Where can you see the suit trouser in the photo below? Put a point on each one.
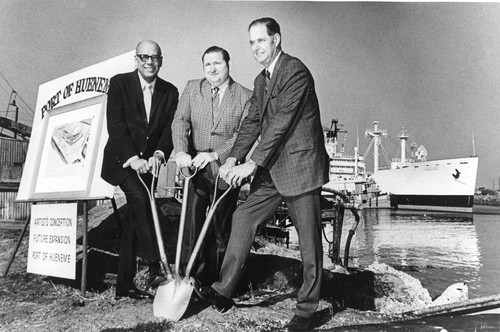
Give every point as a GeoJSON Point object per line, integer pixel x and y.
{"type": "Point", "coordinates": [200, 197]}
{"type": "Point", "coordinates": [260, 205]}
{"type": "Point", "coordinates": [137, 231]}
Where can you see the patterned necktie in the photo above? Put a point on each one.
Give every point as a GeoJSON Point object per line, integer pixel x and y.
{"type": "Point", "coordinates": [215, 103]}
{"type": "Point", "coordinates": [148, 96]}
{"type": "Point", "coordinates": [268, 79]}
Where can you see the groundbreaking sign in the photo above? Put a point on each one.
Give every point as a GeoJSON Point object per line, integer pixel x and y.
{"type": "Point", "coordinates": [52, 243]}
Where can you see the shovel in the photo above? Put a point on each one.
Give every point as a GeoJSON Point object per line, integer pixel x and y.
{"type": "Point", "coordinates": [160, 308]}
{"type": "Point", "coordinates": [182, 222]}
{"type": "Point", "coordinates": [156, 222]}
{"type": "Point", "coordinates": [176, 295]}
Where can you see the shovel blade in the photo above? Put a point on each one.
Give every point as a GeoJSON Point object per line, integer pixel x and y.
{"type": "Point", "coordinates": [171, 300]}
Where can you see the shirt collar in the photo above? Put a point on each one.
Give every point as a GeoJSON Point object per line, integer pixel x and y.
{"type": "Point", "coordinates": [144, 83]}
{"type": "Point", "coordinates": [222, 87]}
{"type": "Point", "coordinates": [273, 64]}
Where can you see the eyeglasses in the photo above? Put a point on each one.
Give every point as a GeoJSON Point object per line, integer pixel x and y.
{"type": "Point", "coordinates": [145, 57]}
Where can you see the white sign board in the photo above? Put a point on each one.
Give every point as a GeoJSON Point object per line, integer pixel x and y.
{"type": "Point", "coordinates": [70, 89]}
{"type": "Point", "coordinates": [52, 243]}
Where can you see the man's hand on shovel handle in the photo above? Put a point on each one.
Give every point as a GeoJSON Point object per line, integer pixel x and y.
{"type": "Point", "coordinates": [155, 164]}
{"type": "Point", "coordinates": [236, 175]}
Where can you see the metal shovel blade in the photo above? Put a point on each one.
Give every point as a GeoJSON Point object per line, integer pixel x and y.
{"type": "Point", "coordinates": [171, 299]}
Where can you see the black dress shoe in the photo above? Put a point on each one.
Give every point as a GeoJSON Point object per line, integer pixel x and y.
{"type": "Point", "coordinates": [154, 280]}
{"type": "Point", "coordinates": [299, 323]}
{"type": "Point", "coordinates": [211, 296]}
{"type": "Point", "coordinates": [135, 293]}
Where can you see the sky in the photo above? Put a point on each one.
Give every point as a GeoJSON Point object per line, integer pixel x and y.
{"type": "Point", "coordinates": [430, 68]}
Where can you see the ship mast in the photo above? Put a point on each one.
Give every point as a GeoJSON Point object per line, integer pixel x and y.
{"type": "Point", "coordinates": [403, 136]}
{"type": "Point", "coordinates": [473, 146]}
{"type": "Point", "coordinates": [375, 134]}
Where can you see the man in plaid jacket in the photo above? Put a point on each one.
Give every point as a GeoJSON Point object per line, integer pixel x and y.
{"type": "Point", "coordinates": [205, 126]}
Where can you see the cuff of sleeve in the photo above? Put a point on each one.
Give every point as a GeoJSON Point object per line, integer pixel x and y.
{"type": "Point", "coordinates": [129, 161]}
{"type": "Point", "coordinates": [254, 160]}
{"type": "Point", "coordinates": [180, 153]}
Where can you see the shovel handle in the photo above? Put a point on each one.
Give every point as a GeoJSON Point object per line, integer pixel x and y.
{"type": "Point", "coordinates": [182, 221]}
{"type": "Point", "coordinates": [204, 229]}
{"type": "Point", "coordinates": [156, 223]}
{"type": "Point", "coordinates": [189, 176]}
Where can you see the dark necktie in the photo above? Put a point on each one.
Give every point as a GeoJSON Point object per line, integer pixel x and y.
{"type": "Point", "coordinates": [215, 103]}
{"type": "Point", "coordinates": [268, 79]}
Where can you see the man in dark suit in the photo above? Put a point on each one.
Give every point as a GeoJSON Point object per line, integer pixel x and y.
{"type": "Point", "coordinates": [140, 110]}
{"type": "Point", "coordinates": [204, 129]}
{"type": "Point", "coordinates": [290, 164]}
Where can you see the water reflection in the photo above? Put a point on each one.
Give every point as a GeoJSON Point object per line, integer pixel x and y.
{"type": "Point", "coordinates": [438, 249]}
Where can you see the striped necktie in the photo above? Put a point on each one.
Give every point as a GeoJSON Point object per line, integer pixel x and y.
{"type": "Point", "coordinates": [268, 79]}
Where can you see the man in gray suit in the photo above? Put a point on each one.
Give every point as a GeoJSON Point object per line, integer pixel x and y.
{"type": "Point", "coordinates": [205, 126]}
{"type": "Point", "coordinates": [290, 164]}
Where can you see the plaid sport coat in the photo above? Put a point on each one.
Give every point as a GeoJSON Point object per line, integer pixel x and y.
{"type": "Point", "coordinates": [288, 121]}
{"type": "Point", "coordinates": [192, 128]}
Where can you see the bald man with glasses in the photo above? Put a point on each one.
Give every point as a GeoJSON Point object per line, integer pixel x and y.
{"type": "Point", "coordinates": [140, 110]}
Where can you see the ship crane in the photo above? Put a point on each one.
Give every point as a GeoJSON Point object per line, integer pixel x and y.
{"type": "Point", "coordinates": [13, 126]}
{"type": "Point", "coordinates": [332, 137]}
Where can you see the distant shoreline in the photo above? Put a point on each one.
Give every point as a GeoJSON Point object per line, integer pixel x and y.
{"type": "Point", "coordinates": [486, 208]}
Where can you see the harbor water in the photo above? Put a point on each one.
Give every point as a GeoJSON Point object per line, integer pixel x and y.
{"type": "Point", "coordinates": [436, 248]}
{"type": "Point", "coordinates": [439, 249]}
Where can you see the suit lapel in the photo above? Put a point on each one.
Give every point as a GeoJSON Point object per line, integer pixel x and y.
{"type": "Point", "coordinates": [158, 94]}
{"type": "Point", "coordinates": [261, 88]}
{"type": "Point", "coordinates": [136, 88]}
{"type": "Point", "coordinates": [206, 96]}
{"type": "Point", "coordinates": [267, 96]}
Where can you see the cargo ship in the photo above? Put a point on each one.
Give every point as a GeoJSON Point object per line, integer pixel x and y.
{"type": "Point", "coordinates": [347, 172]}
{"type": "Point", "coordinates": [416, 183]}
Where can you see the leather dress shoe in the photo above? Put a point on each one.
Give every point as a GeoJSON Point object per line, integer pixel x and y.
{"type": "Point", "coordinates": [211, 296]}
{"type": "Point", "coordinates": [299, 323]}
{"type": "Point", "coordinates": [154, 280]}
{"type": "Point", "coordinates": [134, 293]}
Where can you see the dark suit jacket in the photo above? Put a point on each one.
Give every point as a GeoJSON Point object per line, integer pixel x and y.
{"type": "Point", "coordinates": [130, 134]}
{"type": "Point", "coordinates": [192, 128]}
{"type": "Point", "coordinates": [288, 120]}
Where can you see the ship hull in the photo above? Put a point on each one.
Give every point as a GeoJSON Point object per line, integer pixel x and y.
{"type": "Point", "coordinates": [452, 203]}
{"type": "Point", "coordinates": [438, 185]}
